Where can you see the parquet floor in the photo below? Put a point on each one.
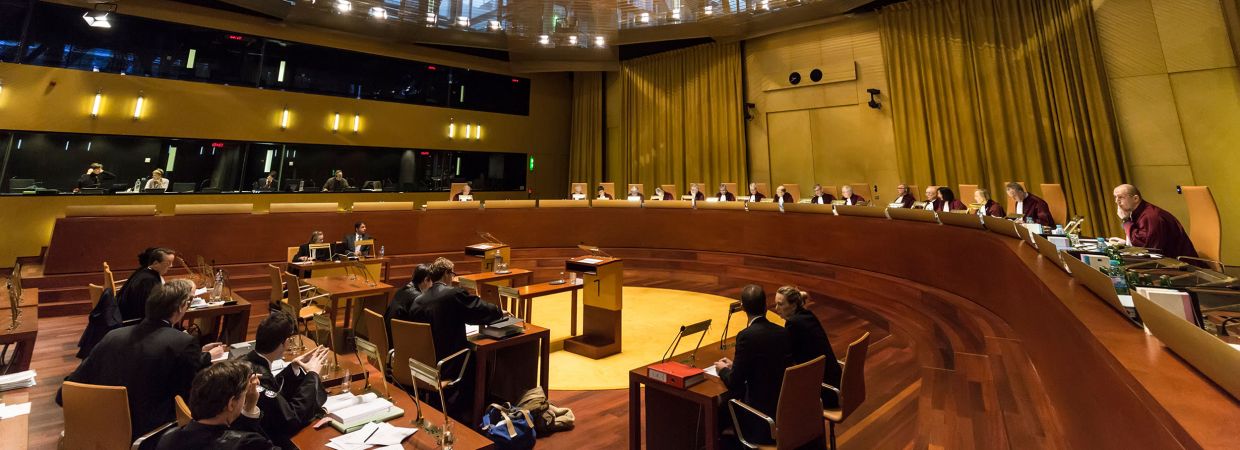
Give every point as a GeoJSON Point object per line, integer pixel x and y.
{"type": "Point", "coordinates": [940, 374]}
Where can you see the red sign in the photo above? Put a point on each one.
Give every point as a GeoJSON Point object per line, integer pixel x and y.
{"type": "Point", "coordinates": [217, 145]}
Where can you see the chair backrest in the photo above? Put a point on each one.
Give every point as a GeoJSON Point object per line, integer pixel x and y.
{"type": "Point", "coordinates": [1011, 202]}
{"type": "Point", "coordinates": [292, 253]}
{"type": "Point", "coordinates": [965, 194]}
{"type": "Point", "coordinates": [96, 417]}
{"type": "Point", "coordinates": [376, 332]}
{"type": "Point", "coordinates": [761, 189]}
{"type": "Point", "coordinates": [671, 189]}
{"type": "Point", "coordinates": [277, 284]}
{"type": "Point", "coordinates": [109, 280]}
{"type": "Point", "coordinates": [184, 416]}
{"type": "Point", "coordinates": [96, 291]}
{"type": "Point", "coordinates": [641, 189]}
{"type": "Point", "coordinates": [1205, 226]}
{"type": "Point", "coordinates": [585, 189]}
{"type": "Point", "coordinates": [456, 189]}
{"type": "Point", "coordinates": [411, 340]}
{"type": "Point", "coordinates": [293, 305]}
{"type": "Point", "coordinates": [852, 382]}
{"type": "Point", "coordinates": [795, 190]}
{"type": "Point", "coordinates": [1056, 201]}
{"type": "Point", "coordinates": [862, 189]}
{"type": "Point", "coordinates": [798, 416]}
{"type": "Point", "coordinates": [731, 188]}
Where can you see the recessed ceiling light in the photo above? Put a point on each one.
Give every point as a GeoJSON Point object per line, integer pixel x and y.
{"type": "Point", "coordinates": [378, 12]}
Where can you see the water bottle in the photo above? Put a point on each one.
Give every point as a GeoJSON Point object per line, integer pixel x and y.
{"type": "Point", "coordinates": [1118, 279]}
{"type": "Point", "coordinates": [1102, 244]}
{"type": "Point", "coordinates": [301, 185]}
{"type": "Point", "coordinates": [217, 290]}
{"type": "Point", "coordinates": [380, 251]}
{"type": "Point", "coordinates": [1059, 230]}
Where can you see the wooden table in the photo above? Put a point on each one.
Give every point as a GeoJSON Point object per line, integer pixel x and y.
{"type": "Point", "coordinates": [14, 432]}
{"type": "Point", "coordinates": [236, 318]}
{"type": "Point", "coordinates": [340, 287]}
{"type": "Point", "coordinates": [466, 437]}
{"type": "Point", "coordinates": [331, 376]}
{"type": "Point", "coordinates": [378, 267]}
{"type": "Point", "coordinates": [524, 296]}
{"type": "Point", "coordinates": [486, 284]}
{"type": "Point", "coordinates": [670, 411]}
{"type": "Point", "coordinates": [485, 348]}
{"type": "Point", "coordinates": [22, 338]}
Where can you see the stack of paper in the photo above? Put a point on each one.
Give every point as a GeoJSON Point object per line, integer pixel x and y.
{"type": "Point", "coordinates": [17, 380]}
{"type": "Point", "coordinates": [362, 412]}
{"type": "Point", "coordinates": [383, 435]}
{"type": "Point", "coordinates": [338, 402]}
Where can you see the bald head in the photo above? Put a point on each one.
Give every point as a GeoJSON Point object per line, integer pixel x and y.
{"type": "Point", "coordinates": [1127, 197]}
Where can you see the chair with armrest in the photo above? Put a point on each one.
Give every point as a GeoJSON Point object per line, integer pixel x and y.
{"type": "Point", "coordinates": [377, 333]}
{"type": "Point", "coordinates": [302, 309]}
{"type": "Point", "coordinates": [109, 280]}
{"type": "Point", "coordinates": [1057, 201]}
{"type": "Point", "coordinates": [279, 289]}
{"type": "Point", "coordinates": [375, 349]}
{"type": "Point", "coordinates": [97, 417]}
{"type": "Point", "coordinates": [796, 421]}
{"type": "Point", "coordinates": [851, 390]}
{"type": "Point", "coordinates": [425, 374]}
{"type": "Point", "coordinates": [184, 416]}
{"type": "Point", "coordinates": [411, 340]}
{"type": "Point", "coordinates": [1205, 227]}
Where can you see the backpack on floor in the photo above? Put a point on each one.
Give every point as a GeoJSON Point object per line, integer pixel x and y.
{"type": "Point", "coordinates": [509, 427]}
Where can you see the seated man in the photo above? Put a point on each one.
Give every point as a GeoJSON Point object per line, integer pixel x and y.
{"type": "Point", "coordinates": [754, 195]}
{"type": "Point", "coordinates": [448, 309]}
{"type": "Point", "coordinates": [724, 195]}
{"type": "Point", "coordinates": [1146, 225]}
{"type": "Point", "coordinates": [94, 178]}
{"type": "Point", "coordinates": [601, 193]}
{"type": "Point", "coordinates": [904, 197]}
{"type": "Point", "coordinates": [466, 194]}
{"type": "Point", "coordinates": [932, 199]}
{"type": "Point", "coordinates": [988, 207]}
{"type": "Point", "coordinates": [634, 194]}
{"type": "Point", "coordinates": [1030, 206]}
{"type": "Point", "coordinates": [303, 251]}
{"type": "Point", "coordinates": [660, 194]}
{"type": "Point", "coordinates": [336, 183]}
{"type": "Point", "coordinates": [224, 401]}
{"type": "Point", "coordinates": [402, 302]}
{"type": "Point", "coordinates": [266, 184]}
{"type": "Point", "coordinates": [763, 351]}
{"type": "Point", "coordinates": [152, 360]}
{"type": "Point", "coordinates": [358, 234]}
{"type": "Point", "coordinates": [820, 197]}
{"type": "Point", "coordinates": [809, 340]}
{"type": "Point", "coordinates": [293, 397]}
{"type": "Point", "coordinates": [696, 193]}
{"type": "Point", "coordinates": [155, 262]}
{"type": "Point", "coordinates": [782, 196]}
{"type": "Point", "coordinates": [578, 192]}
{"type": "Point", "coordinates": [846, 194]}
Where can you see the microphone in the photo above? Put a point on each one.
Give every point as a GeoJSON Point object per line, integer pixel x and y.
{"type": "Point", "coordinates": [732, 309]}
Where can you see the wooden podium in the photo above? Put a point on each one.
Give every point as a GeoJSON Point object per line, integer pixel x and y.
{"type": "Point", "coordinates": [603, 300]}
{"type": "Point", "coordinates": [488, 251]}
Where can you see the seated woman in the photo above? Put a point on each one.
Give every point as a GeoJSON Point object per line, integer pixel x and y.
{"type": "Point", "coordinates": [303, 251]}
{"type": "Point", "coordinates": [947, 199]}
{"type": "Point", "coordinates": [988, 207]}
{"type": "Point", "coordinates": [602, 194]}
{"type": "Point", "coordinates": [465, 195]}
{"type": "Point", "coordinates": [157, 180]}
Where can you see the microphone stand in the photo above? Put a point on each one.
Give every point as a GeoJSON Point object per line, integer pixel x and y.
{"type": "Point", "coordinates": [732, 309]}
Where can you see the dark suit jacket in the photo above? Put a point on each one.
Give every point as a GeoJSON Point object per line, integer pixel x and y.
{"type": "Point", "coordinates": [90, 180]}
{"type": "Point", "coordinates": [810, 341]}
{"type": "Point", "coordinates": [856, 199]}
{"type": "Point", "coordinates": [606, 196]}
{"type": "Point", "coordinates": [935, 205]}
{"type": "Point", "coordinates": [826, 199]}
{"type": "Point", "coordinates": [401, 307]}
{"type": "Point", "coordinates": [349, 242]}
{"type": "Point", "coordinates": [304, 250]}
{"type": "Point", "coordinates": [448, 309]}
{"type": "Point", "coordinates": [994, 209]}
{"type": "Point", "coordinates": [132, 298]}
{"type": "Point", "coordinates": [727, 197]}
{"type": "Point", "coordinates": [153, 361]}
{"type": "Point", "coordinates": [1154, 227]}
{"type": "Point", "coordinates": [1037, 209]}
{"type": "Point", "coordinates": [699, 197]}
{"type": "Point", "coordinates": [788, 198]}
{"type": "Point", "coordinates": [105, 317]}
{"type": "Point", "coordinates": [244, 434]}
{"type": "Point", "coordinates": [668, 196]}
{"type": "Point", "coordinates": [906, 200]}
{"type": "Point", "coordinates": [757, 372]}
{"type": "Point", "coordinates": [334, 185]}
{"type": "Point", "coordinates": [289, 401]}
{"type": "Point", "coordinates": [263, 185]}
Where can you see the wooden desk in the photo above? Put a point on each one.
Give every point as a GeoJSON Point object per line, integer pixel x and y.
{"type": "Point", "coordinates": [236, 318]}
{"type": "Point", "coordinates": [22, 337]}
{"type": "Point", "coordinates": [524, 296]}
{"type": "Point", "coordinates": [331, 376]}
{"type": "Point", "coordinates": [485, 348]}
{"type": "Point", "coordinates": [670, 412]}
{"type": "Point", "coordinates": [30, 296]}
{"type": "Point", "coordinates": [378, 268]}
{"type": "Point", "coordinates": [466, 437]}
{"type": "Point", "coordinates": [486, 284]}
{"type": "Point", "coordinates": [342, 288]}
{"type": "Point", "coordinates": [16, 431]}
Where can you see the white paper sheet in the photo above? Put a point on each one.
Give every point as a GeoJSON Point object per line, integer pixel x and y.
{"type": "Point", "coordinates": [14, 410]}
{"type": "Point", "coordinates": [590, 261]}
{"type": "Point", "coordinates": [710, 370]}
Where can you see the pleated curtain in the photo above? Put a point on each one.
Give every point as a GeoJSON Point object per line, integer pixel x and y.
{"type": "Point", "coordinates": [585, 158]}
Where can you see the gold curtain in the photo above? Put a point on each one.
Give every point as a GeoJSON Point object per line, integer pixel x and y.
{"type": "Point", "coordinates": [682, 119]}
{"type": "Point", "coordinates": [988, 91]}
{"type": "Point", "coordinates": [585, 156]}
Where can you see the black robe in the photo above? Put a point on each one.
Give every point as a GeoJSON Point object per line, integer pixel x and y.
{"type": "Point", "coordinates": [132, 298]}
{"type": "Point", "coordinates": [244, 434]}
{"type": "Point", "coordinates": [810, 341]}
{"type": "Point", "coordinates": [400, 307]}
{"type": "Point", "coordinates": [289, 401]}
{"type": "Point", "coordinates": [757, 373]}
{"type": "Point", "coordinates": [825, 199]}
{"type": "Point", "coordinates": [448, 309]}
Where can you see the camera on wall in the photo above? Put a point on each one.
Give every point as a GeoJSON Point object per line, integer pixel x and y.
{"type": "Point", "coordinates": [874, 98]}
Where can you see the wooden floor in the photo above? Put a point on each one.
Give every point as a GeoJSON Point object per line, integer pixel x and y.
{"type": "Point", "coordinates": [942, 373]}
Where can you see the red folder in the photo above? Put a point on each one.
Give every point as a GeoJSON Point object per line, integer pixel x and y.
{"type": "Point", "coordinates": [675, 374]}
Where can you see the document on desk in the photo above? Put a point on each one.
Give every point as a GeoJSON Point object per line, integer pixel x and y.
{"type": "Point", "coordinates": [471, 330]}
{"type": "Point", "coordinates": [590, 261]}
{"type": "Point", "coordinates": [372, 434]}
{"type": "Point", "coordinates": [711, 370]}
{"type": "Point", "coordinates": [14, 410]}
{"type": "Point", "coordinates": [200, 291]}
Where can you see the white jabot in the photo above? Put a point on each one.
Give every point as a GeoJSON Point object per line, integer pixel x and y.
{"type": "Point", "coordinates": [1020, 207]}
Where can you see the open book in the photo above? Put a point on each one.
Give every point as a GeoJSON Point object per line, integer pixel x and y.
{"type": "Point", "coordinates": [348, 412]}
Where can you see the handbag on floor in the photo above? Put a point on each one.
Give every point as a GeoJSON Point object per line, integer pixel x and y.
{"type": "Point", "coordinates": [509, 427]}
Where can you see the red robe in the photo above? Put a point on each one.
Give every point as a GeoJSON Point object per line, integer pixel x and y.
{"type": "Point", "coordinates": [994, 209]}
{"type": "Point", "coordinates": [667, 196]}
{"type": "Point", "coordinates": [788, 198]}
{"type": "Point", "coordinates": [1153, 227]}
{"type": "Point", "coordinates": [906, 201]}
{"type": "Point", "coordinates": [826, 199]}
{"type": "Point", "coordinates": [756, 197]}
{"type": "Point", "coordinates": [727, 197]}
{"type": "Point", "coordinates": [856, 199]}
{"type": "Point", "coordinates": [699, 197]}
{"type": "Point", "coordinates": [1037, 209]}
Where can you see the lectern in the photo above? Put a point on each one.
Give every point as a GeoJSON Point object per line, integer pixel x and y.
{"type": "Point", "coordinates": [489, 251]}
{"type": "Point", "coordinates": [602, 301]}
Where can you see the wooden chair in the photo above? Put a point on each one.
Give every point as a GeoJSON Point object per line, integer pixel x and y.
{"type": "Point", "coordinates": [376, 332]}
{"type": "Point", "coordinates": [279, 291]}
{"type": "Point", "coordinates": [671, 189]}
{"type": "Point", "coordinates": [292, 253]}
{"type": "Point", "coordinates": [609, 188]}
{"type": "Point", "coordinates": [732, 187]}
{"type": "Point", "coordinates": [641, 189]}
{"type": "Point", "coordinates": [184, 416]}
{"type": "Point", "coordinates": [1056, 201]}
{"type": "Point", "coordinates": [865, 190]}
{"type": "Point", "coordinates": [1205, 226]}
{"type": "Point", "coordinates": [411, 340]}
{"type": "Point", "coordinates": [97, 417]}
{"type": "Point", "coordinates": [796, 422]}
{"type": "Point", "coordinates": [456, 189]}
{"type": "Point", "coordinates": [965, 194]}
{"type": "Point", "coordinates": [795, 190]}
{"type": "Point", "coordinates": [109, 280]}
{"type": "Point", "coordinates": [96, 291]}
{"type": "Point", "coordinates": [301, 309]}
{"type": "Point", "coordinates": [851, 390]}
{"type": "Point", "coordinates": [374, 346]}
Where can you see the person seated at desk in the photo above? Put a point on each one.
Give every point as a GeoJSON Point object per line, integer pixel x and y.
{"type": "Point", "coordinates": [988, 207]}
{"type": "Point", "coordinates": [601, 193]}
{"type": "Point", "coordinates": [846, 194]}
{"type": "Point", "coordinates": [155, 262]}
{"type": "Point", "coordinates": [904, 197]}
{"type": "Point", "coordinates": [402, 301]}
{"type": "Point", "coordinates": [94, 178]}
{"type": "Point", "coordinates": [1146, 225]}
{"type": "Point", "coordinates": [224, 398]}
{"type": "Point", "coordinates": [820, 197]}
{"type": "Point", "coordinates": [763, 351]}
{"type": "Point", "coordinates": [635, 194]}
{"type": "Point", "coordinates": [292, 398]}
{"type": "Point", "coordinates": [809, 340]}
{"type": "Point", "coordinates": [1030, 206]}
{"type": "Point", "coordinates": [358, 234]}
{"type": "Point", "coordinates": [696, 193]}
{"type": "Point", "coordinates": [466, 194]}
{"type": "Point", "coordinates": [782, 196]}
{"type": "Point", "coordinates": [579, 192]}
{"type": "Point", "coordinates": [659, 194]}
{"type": "Point", "coordinates": [152, 360]}
{"type": "Point", "coordinates": [724, 195]}
{"type": "Point", "coordinates": [932, 199]}
{"type": "Point", "coordinates": [303, 251]}
{"type": "Point", "coordinates": [157, 180]}
{"type": "Point", "coordinates": [754, 195]}
{"type": "Point", "coordinates": [948, 202]}
{"type": "Point", "coordinates": [336, 183]}
{"type": "Point", "coordinates": [267, 183]}
{"type": "Point", "coordinates": [448, 309]}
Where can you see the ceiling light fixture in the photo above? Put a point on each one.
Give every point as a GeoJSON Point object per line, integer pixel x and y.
{"type": "Point", "coordinates": [343, 6]}
{"type": "Point", "coordinates": [137, 107]}
{"type": "Point", "coordinates": [544, 39]}
{"type": "Point", "coordinates": [99, 18]}
{"type": "Point", "coordinates": [357, 122]}
{"type": "Point", "coordinates": [599, 41]}
{"type": "Point", "coordinates": [284, 119]}
{"type": "Point", "coordinates": [335, 122]}
{"type": "Point", "coordinates": [96, 103]}
{"type": "Point", "coordinates": [378, 12]}
{"type": "Point", "coordinates": [451, 128]}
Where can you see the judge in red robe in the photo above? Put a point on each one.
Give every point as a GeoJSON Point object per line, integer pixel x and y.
{"type": "Point", "coordinates": [948, 202]}
{"type": "Point", "coordinates": [1146, 225]}
{"type": "Point", "coordinates": [904, 197]}
{"type": "Point", "coordinates": [1030, 205]}
{"type": "Point", "coordinates": [932, 201]}
{"type": "Point", "coordinates": [724, 195]}
{"type": "Point", "coordinates": [821, 198]}
{"type": "Point", "coordinates": [849, 197]}
{"type": "Point", "coordinates": [754, 195]}
{"type": "Point", "coordinates": [989, 207]}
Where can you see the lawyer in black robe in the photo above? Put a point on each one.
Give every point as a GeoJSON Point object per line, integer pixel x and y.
{"type": "Point", "coordinates": [448, 309]}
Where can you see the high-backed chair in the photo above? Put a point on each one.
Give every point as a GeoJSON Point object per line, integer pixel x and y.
{"type": "Point", "coordinates": [302, 309]}
{"type": "Point", "coordinates": [97, 417]}
{"type": "Point", "coordinates": [1011, 203]}
{"type": "Point", "coordinates": [109, 280]}
{"type": "Point", "coordinates": [376, 332]}
{"type": "Point", "coordinates": [456, 189]}
{"type": "Point", "coordinates": [965, 194]}
{"type": "Point", "coordinates": [1205, 226]}
{"type": "Point", "coordinates": [732, 187]}
{"type": "Point", "coordinates": [641, 189]}
{"type": "Point", "coordinates": [279, 290]}
{"type": "Point", "coordinates": [796, 421]}
{"type": "Point", "coordinates": [184, 416]}
{"type": "Point", "coordinates": [795, 190]}
{"type": "Point", "coordinates": [671, 189]}
{"type": "Point", "coordinates": [609, 188]}
{"type": "Point", "coordinates": [585, 189]}
{"type": "Point", "coordinates": [96, 291]}
{"type": "Point", "coordinates": [411, 340]}
{"type": "Point", "coordinates": [851, 390]}
{"type": "Point", "coordinates": [292, 253]}
{"type": "Point", "coordinates": [1056, 201]}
